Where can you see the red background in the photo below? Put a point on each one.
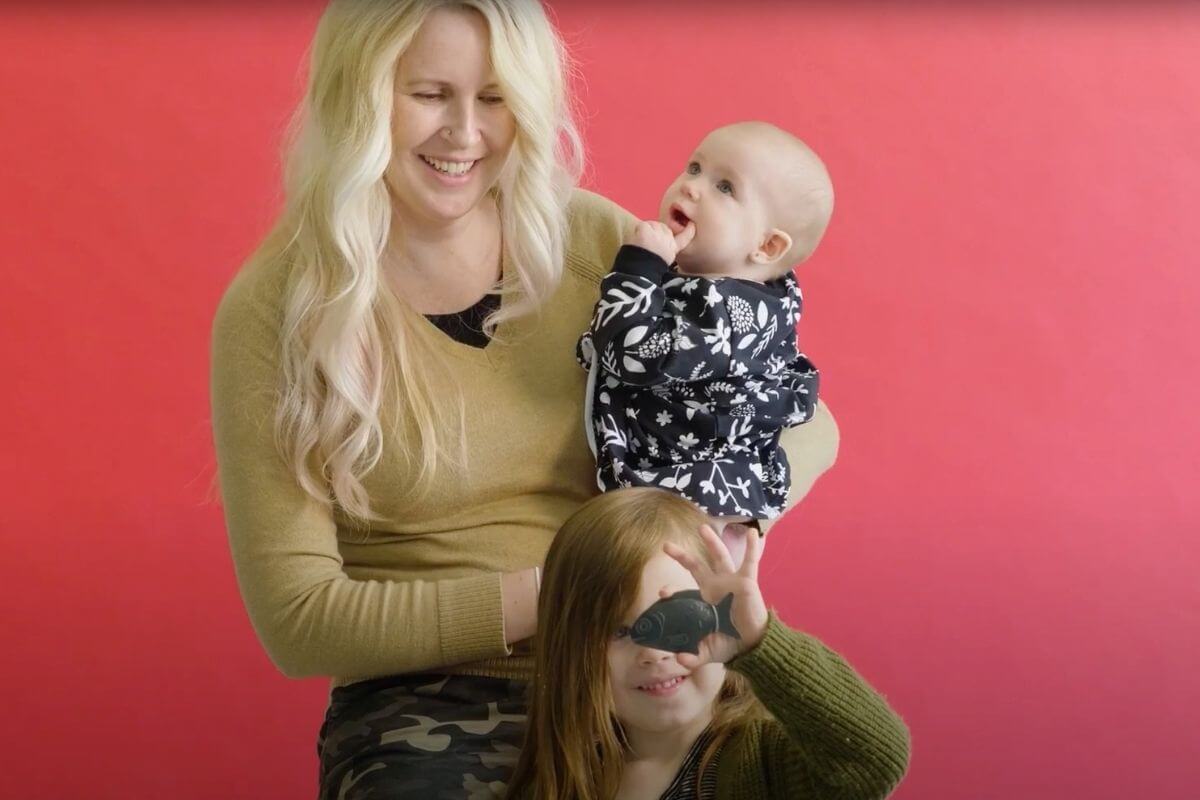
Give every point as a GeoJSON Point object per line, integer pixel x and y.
{"type": "Point", "coordinates": [1003, 311]}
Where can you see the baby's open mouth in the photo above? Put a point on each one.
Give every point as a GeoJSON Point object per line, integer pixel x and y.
{"type": "Point", "coordinates": [679, 217]}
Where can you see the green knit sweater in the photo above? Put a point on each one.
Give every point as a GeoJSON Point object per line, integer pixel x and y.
{"type": "Point", "coordinates": [833, 737]}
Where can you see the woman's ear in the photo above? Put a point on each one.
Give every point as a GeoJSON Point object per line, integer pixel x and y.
{"type": "Point", "coordinates": [773, 247]}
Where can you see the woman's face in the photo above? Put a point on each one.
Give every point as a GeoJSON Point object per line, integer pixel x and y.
{"type": "Point", "coordinates": [451, 128]}
{"type": "Point", "coordinates": [651, 690]}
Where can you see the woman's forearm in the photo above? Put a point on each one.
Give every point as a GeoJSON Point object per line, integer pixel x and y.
{"type": "Point", "coordinates": [520, 593]}
{"type": "Point", "coordinates": [811, 450]}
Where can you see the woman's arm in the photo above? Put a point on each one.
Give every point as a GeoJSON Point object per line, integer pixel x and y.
{"type": "Point", "coordinates": [811, 449]}
{"type": "Point", "coordinates": [311, 618]}
{"type": "Point", "coordinates": [831, 729]}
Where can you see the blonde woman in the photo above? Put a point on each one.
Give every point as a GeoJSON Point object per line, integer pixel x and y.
{"type": "Point", "coordinates": [772, 714]}
{"type": "Point", "coordinates": [396, 406]}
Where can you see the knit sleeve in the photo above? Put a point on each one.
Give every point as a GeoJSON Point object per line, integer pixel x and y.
{"type": "Point", "coordinates": [598, 227]}
{"type": "Point", "coordinates": [311, 618]}
{"type": "Point", "coordinates": [833, 736]}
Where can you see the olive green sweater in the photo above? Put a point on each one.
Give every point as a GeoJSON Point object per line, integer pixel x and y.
{"type": "Point", "coordinates": [833, 737]}
{"type": "Point", "coordinates": [830, 736]}
{"type": "Point", "coordinates": [419, 589]}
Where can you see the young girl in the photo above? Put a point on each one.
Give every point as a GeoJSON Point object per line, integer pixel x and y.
{"type": "Point", "coordinates": [774, 714]}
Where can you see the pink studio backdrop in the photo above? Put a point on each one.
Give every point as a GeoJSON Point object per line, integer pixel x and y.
{"type": "Point", "coordinates": [1003, 310]}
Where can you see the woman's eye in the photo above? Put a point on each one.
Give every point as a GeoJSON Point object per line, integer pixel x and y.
{"type": "Point", "coordinates": [491, 99]}
{"type": "Point", "coordinates": [725, 187]}
{"type": "Point", "coordinates": [693, 168]}
{"type": "Point", "coordinates": [428, 95]}
{"type": "Point", "coordinates": [622, 632]}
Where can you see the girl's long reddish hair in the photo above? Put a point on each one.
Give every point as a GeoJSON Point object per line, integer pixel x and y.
{"type": "Point", "coordinates": [574, 749]}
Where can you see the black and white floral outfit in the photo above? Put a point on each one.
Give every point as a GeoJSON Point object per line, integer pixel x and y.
{"type": "Point", "coordinates": [691, 381]}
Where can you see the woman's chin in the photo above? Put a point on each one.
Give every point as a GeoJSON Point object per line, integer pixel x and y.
{"type": "Point", "coordinates": [444, 208]}
{"type": "Point", "coordinates": [430, 198]}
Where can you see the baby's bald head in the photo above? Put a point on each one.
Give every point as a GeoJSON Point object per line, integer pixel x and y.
{"type": "Point", "coordinates": [793, 181]}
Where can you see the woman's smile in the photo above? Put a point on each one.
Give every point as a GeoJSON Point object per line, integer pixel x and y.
{"type": "Point", "coordinates": [453, 173]}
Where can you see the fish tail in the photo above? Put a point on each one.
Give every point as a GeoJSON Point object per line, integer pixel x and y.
{"type": "Point", "coordinates": [725, 618]}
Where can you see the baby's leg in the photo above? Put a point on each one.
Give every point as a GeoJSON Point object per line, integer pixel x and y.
{"type": "Point", "coordinates": [733, 532]}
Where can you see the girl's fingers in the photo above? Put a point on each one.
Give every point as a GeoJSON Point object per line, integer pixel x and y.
{"type": "Point", "coordinates": [689, 562]}
{"type": "Point", "coordinates": [717, 549]}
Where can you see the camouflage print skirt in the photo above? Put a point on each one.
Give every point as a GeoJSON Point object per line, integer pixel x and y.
{"type": "Point", "coordinates": [421, 736]}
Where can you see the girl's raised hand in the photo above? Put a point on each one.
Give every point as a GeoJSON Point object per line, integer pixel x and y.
{"type": "Point", "coordinates": [748, 613]}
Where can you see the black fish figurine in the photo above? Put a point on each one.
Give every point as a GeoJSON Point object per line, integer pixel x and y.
{"type": "Point", "coordinates": [680, 622]}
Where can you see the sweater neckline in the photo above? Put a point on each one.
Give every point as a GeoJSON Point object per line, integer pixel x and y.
{"type": "Point", "coordinates": [496, 351]}
{"type": "Point", "coordinates": [467, 325]}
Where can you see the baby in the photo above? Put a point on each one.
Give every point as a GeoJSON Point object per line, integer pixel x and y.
{"type": "Point", "coordinates": [692, 356]}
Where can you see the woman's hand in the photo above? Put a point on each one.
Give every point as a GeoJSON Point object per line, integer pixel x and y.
{"type": "Point", "coordinates": [748, 612]}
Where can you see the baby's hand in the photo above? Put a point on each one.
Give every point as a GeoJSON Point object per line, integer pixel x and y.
{"type": "Point", "coordinates": [658, 239]}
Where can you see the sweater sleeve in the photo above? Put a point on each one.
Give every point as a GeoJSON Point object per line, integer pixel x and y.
{"type": "Point", "coordinates": [644, 337]}
{"type": "Point", "coordinates": [833, 736]}
{"type": "Point", "coordinates": [811, 449]}
{"type": "Point", "coordinates": [311, 618]}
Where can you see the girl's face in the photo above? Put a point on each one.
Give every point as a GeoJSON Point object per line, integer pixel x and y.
{"type": "Point", "coordinates": [451, 128]}
{"type": "Point", "coordinates": [652, 691]}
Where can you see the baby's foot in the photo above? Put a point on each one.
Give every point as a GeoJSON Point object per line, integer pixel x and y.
{"type": "Point", "coordinates": [734, 534]}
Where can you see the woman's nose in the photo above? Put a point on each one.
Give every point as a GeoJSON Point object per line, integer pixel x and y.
{"type": "Point", "coordinates": [462, 129]}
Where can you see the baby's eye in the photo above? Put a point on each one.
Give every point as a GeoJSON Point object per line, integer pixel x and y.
{"type": "Point", "coordinates": [693, 168]}
{"type": "Point", "coordinates": [725, 187]}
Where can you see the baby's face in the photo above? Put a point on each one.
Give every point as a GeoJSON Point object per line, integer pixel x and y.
{"type": "Point", "coordinates": [723, 191]}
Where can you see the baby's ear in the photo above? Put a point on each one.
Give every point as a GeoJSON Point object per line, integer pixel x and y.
{"type": "Point", "coordinates": [773, 247]}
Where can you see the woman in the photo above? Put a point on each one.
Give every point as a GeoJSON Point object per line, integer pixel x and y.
{"type": "Point", "coordinates": [611, 718]}
{"type": "Point", "coordinates": [396, 407]}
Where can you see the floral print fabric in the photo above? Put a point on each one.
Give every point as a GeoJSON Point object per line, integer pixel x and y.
{"type": "Point", "coordinates": [691, 381]}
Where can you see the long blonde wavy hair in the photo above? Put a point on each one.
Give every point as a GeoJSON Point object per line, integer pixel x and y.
{"type": "Point", "coordinates": [574, 748]}
{"type": "Point", "coordinates": [348, 341]}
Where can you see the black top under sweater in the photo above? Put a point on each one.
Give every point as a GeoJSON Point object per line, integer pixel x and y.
{"type": "Point", "coordinates": [466, 326]}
